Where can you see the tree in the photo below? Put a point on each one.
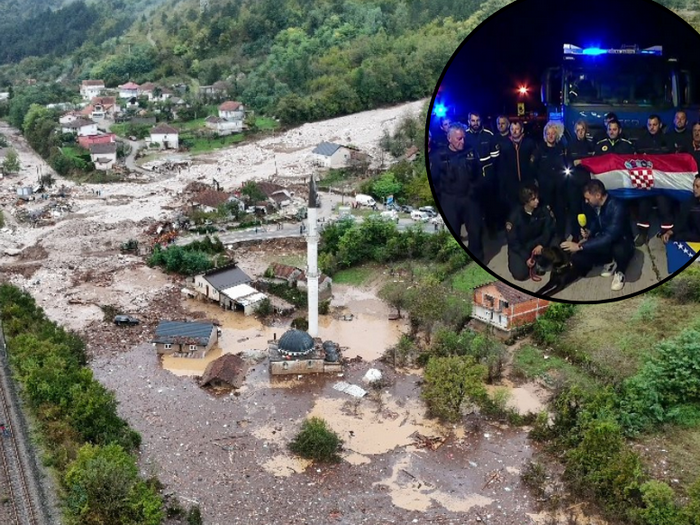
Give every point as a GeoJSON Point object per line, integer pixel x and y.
{"type": "Point", "coordinates": [11, 162]}
{"type": "Point", "coordinates": [395, 294]}
{"type": "Point", "coordinates": [103, 484]}
{"type": "Point", "coordinates": [253, 192]}
{"type": "Point", "coordinates": [450, 382]}
{"type": "Point", "coordinates": [317, 441]}
{"type": "Point", "coordinates": [386, 185]}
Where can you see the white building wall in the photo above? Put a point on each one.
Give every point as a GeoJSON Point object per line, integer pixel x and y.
{"type": "Point", "coordinates": [340, 158]}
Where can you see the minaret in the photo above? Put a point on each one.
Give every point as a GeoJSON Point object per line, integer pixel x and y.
{"type": "Point", "coordinates": [312, 258]}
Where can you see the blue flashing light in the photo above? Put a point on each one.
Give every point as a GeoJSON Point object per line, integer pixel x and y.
{"type": "Point", "coordinates": [556, 115]}
{"type": "Point", "coordinates": [440, 110]}
{"type": "Point", "coordinates": [594, 51]}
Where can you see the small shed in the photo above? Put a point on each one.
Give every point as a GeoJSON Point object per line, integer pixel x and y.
{"type": "Point", "coordinates": [226, 371]}
{"type": "Point", "coordinates": [241, 297]}
{"type": "Point", "coordinates": [506, 308]}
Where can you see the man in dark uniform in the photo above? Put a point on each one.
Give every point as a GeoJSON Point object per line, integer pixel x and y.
{"type": "Point", "coordinates": [680, 136]}
{"type": "Point", "coordinates": [529, 229]}
{"type": "Point", "coordinates": [603, 133]}
{"type": "Point", "coordinates": [487, 150]}
{"type": "Point", "coordinates": [457, 170]}
{"type": "Point", "coordinates": [580, 147]}
{"type": "Point", "coordinates": [514, 166]}
{"type": "Point", "coordinates": [687, 225]}
{"type": "Point", "coordinates": [608, 236]}
{"type": "Point", "coordinates": [653, 142]}
{"type": "Point", "coordinates": [695, 144]}
{"type": "Point", "coordinates": [503, 127]}
{"type": "Point", "coordinates": [614, 143]}
{"type": "Point", "coordinates": [440, 136]}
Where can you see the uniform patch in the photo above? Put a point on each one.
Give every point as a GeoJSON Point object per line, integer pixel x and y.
{"type": "Point", "coordinates": [604, 148]}
{"type": "Point", "coordinates": [509, 226]}
{"type": "Point", "coordinates": [551, 213]}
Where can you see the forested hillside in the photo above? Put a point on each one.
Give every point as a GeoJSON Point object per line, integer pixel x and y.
{"type": "Point", "coordinates": [299, 59]}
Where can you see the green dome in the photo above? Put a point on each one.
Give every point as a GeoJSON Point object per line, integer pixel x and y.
{"type": "Point", "coordinates": [295, 343]}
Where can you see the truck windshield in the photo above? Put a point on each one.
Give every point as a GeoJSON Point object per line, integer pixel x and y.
{"type": "Point", "coordinates": [629, 83]}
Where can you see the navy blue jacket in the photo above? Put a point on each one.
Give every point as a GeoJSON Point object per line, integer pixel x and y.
{"type": "Point", "coordinates": [455, 173]}
{"type": "Point", "coordinates": [610, 226]}
{"type": "Point", "coordinates": [687, 225]}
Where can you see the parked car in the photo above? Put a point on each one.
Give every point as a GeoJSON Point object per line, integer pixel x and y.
{"type": "Point", "coordinates": [429, 210]}
{"type": "Point", "coordinates": [128, 320]}
{"type": "Point", "coordinates": [421, 216]}
{"type": "Point", "coordinates": [390, 214]}
{"type": "Point", "coordinates": [407, 208]}
{"type": "Point", "coordinates": [437, 220]}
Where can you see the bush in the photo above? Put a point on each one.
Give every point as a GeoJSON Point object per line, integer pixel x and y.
{"type": "Point", "coordinates": [659, 505]}
{"type": "Point", "coordinates": [324, 307]}
{"type": "Point", "coordinates": [684, 287]}
{"type": "Point", "coordinates": [300, 323]}
{"type": "Point", "coordinates": [194, 516]}
{"type": "Point", "coordinates": [264, 308]}
{"type": "Point", "coordinates": [449, 382]}
{"type": "Point", "coordinates": [317, 442]}
{"type": "Point", "coordinates": [552, 323]}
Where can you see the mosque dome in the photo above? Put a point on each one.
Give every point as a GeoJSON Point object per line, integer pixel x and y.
{"type": "Point", "coordinates": [295, 343]}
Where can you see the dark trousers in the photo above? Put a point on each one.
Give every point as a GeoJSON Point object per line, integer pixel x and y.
{"type": "Point", "coordinates": [467, 211]}
{"type": "Point", "coordinates": [553, 193]}
{"type": "Point", "coordinates": [665, 208]}
{"type": "Point", "coordinates": [493, 207]}
{"type": "Point", "coordinates": [517, 265]}
{"type": "Point", "coordinates": [621, 252]}
{"type": "Point", "coordinates": [575, 200]}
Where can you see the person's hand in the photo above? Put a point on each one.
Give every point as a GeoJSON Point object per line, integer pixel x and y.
{"type": "Point", "coordinates": [530, 263]}
{"type": "Point", "coordinates": [585, 233]}
{"type": "Point", "coordinates": [577, 162]}
{"type": "Point", "coordinates": [667, 236]}
{"type": "Point", "coordinates": [537, 250]}
{"type": "Point", "coordinates": [570, 246]}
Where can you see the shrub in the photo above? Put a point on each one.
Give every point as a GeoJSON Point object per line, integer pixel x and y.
{"type": "Point", "coordinates": [549, 325]}
{"type": "Point", "coordinates": [659, 505]}
{"type": "Point", "coordinates": [264, 308]}
{"type": "Point", "coordinates": [300, 323]}
{"type": "Point", "coordinates": [324, 307]}
{"type": "Point", "coordinates": [317, 442]}
{"type": "Point", "coordinates": [194, 516]}
{"type": "Point", "coordinates": [450, 382]}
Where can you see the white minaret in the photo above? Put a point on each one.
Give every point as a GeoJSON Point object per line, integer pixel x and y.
{"type": "Point", "coordinates": [312, 258]}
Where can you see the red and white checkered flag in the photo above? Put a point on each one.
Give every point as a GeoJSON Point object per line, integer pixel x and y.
{"type": "Point", "coordinates": [642, 179]}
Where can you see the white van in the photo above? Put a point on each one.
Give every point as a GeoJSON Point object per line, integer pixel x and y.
{"type": "Point", "coordinates": [390, 214]}
{"type": "Point", "coordinates": [364, 200]}
{"type": "Point", "coordinates": [419, 216]}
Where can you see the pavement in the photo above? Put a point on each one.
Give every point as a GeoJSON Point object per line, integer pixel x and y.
{"type": "Point", "coordinates": [648, 268]}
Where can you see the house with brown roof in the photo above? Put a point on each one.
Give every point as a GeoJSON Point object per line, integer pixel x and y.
{"type": "Point", "coordinates": [129, 90]}
{"type": "Point", "coordinates": [296, 277]}
{"type": "Point", "coordinates": [91, 88]}
{"type": "Point", "coordinates": [166, 136]}
{"type": "Point", "coordinates": [107, 106]}
{"type": "Point", "coordinates": [103, 156]}
{"type": "Point", "coordinates": [232, 110]}
{"type": "Point", "coordinates": [226, 371]}
{"type": "Point", "coordinates": [279, 195]}
{"type": "Point", "coordinates": [209, 199]}
{"type": "Point", "coordinates": [497, 304]}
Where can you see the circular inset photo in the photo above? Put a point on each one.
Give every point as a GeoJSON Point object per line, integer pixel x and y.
{"type": "Point", "coordinates": [564, 144]}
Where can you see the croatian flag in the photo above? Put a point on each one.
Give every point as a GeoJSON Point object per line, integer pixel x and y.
{"type": "Point", "coordinates": [635, 176]}
{"type": "Point", "coordinates": [679, 253]}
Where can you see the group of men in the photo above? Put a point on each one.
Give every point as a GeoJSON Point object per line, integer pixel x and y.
{"type": "Point", "coordinates": [538, 191]}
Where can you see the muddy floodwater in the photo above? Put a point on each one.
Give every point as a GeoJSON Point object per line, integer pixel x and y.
{"type": "Point", "coordinates": [368, 335]}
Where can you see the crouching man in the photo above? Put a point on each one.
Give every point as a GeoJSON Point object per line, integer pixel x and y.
{"type": "Point", "coordinates": [607, 238]}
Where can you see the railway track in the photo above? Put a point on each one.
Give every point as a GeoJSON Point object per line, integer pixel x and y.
{"type": "Point", "coordinates": [25, 507]}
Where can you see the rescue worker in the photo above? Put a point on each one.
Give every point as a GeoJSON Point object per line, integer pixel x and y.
{"type": "Point", "coordinates": [487, 149]}
{"type": "Point", "coordinates": [653, 142]}
{"type": "Point", "coordinates": [607, 236]}
{"type": "Point", "coordinates": [603, 133]}
{"type": "Point", "coordinates": [457, 168]}
{"type": "Point", "coordinates": [580, 147]}
{"type": "Point", "coordinates": [680, 136]}
{"type": "Point", "coordinates": [687, 225]}
{"type": "Point", "coordinates": [440, 138]}
{"type": "Point", "coordinates": [503, 127]}
{"type": "Point", "coordinates": [529, 229]}
{"type": "Point", "coordinates": [614, 143]}
{"type": "Point", "coordinates": [695, 144]}
{"type": "Point", "coordinates": [514, 167]}
{"type": "Point", "coordinates": [549, 165]}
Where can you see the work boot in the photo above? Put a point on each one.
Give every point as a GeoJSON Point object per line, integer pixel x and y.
{"type": "Point", "coordinates": [608, 269]}
{"type": "Point", "coordinates": [618, 282]}
{"type": "Point", "coordinates": [642, 237]}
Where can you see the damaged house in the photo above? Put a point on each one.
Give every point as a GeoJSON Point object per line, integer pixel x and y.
{"type": "Point", "coordinates": [230, 287]}
{"type": "Point", "coordinates": [185, 338]}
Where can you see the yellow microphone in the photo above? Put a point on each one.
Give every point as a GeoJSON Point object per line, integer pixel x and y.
{"type": "Point", "coordinates": [582, 220]}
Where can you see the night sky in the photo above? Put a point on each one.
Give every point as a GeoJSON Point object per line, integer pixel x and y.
{"type": "Point", "coordinates": [517, 44]}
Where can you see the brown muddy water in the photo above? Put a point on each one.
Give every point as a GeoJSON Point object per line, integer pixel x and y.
{"type": "Point", "coordinates": [366, 335]}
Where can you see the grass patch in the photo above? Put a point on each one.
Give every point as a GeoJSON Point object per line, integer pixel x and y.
{"type": "Point", "coordinates": [529, 363]}
{"type": "Point", "coordinates": [74, 152]}
{"type": "Point", "coordinates": [119, 129]}
{"type": "Point", "coordinates": [617, 337]}
{"type": "Point", "coordinates": [355, 276]}
{"type": "Point", "coordinates": [205, 145]}
{"type": "Point", "coordinates": [680, 460]}
{"type": "Point", "coordinates": [197, 123]}
{"type": "Point", "coordinates": [471, 277]}
{"type": "Point", "coordinates": [266, 123]}
{"type": "Point", "coordinates": [293, 259]}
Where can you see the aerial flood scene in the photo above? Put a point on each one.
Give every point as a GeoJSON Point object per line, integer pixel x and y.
{"type": "Point", "coordinates": [231, 293]}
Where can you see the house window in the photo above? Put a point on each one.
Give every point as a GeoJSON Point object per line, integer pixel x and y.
{"type": "Point", "coordinates": [488, 300]}
{"type": "Point", "coordinates": [193, 348]}
{"type": "Point", "coordinates": [504, 305]}
{"type": "Point", "coordinates": [309, 364]}
{"type": "Point", "coordinates": [167, 346]}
